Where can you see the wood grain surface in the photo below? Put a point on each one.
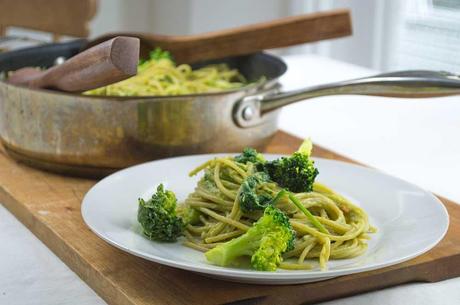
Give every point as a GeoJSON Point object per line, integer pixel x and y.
{"type": "Point", "coordinates": [49, 205]}
{"type": "Point", "coordinates": [247, 39]}
{"type": "Point", "coordinates": [59, 17]}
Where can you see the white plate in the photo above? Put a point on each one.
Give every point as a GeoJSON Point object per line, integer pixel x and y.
{"type": "Point", "coordinates": [410, 221]}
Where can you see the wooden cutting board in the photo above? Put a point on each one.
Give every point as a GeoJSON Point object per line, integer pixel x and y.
{"type": "Point", "coordinates": [49, 205]}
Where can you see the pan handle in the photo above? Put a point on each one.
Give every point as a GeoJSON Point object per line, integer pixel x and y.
{"type": "Point", "coordinates": [407, 84]}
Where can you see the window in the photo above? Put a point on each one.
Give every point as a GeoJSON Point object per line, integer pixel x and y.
{"type": "Point", "coordinates": [427, 36]}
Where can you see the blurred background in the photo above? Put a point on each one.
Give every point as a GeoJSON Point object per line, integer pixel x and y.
{"type": "Point", "coordinates": [387, 34]}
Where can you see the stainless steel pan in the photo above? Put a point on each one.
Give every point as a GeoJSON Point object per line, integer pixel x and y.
{"type": "Point", "coordinates": [85, 135]}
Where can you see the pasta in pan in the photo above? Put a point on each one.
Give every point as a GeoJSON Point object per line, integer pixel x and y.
{"type": "Point", "coordinates": [160, 76]}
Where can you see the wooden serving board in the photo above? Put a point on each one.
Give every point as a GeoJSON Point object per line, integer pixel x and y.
{"type": "Point", "coordinates": [49, 205]}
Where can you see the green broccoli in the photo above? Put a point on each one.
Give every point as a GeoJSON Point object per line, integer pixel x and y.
{"type": "Point", "coordinates": [156, 54]}
{"type": "Point", "coordinates": [190, 216]}
{"type": "Point", "coordinates": [296, 173]}
{"type": "Point", "coordinates": [264, 242]}
{"type": "Point", "coordinates": [157, 216]}
{"type": "Point", "coordinates": [250, 155]}
{"type": "Point", "coordinates": [248, 197]}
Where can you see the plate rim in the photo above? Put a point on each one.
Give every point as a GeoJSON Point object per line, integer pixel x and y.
{"type": "Point", "coordinates": [234, 273]}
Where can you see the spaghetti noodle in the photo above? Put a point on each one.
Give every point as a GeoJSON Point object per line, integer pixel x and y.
{"type": "Point", "coordinates": [161, 76]}
{"type": "Point", "coordinates": [221, 219]}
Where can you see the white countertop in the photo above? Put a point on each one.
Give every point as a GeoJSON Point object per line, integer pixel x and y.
{"type": "Point", "coordinates": [413, 139]}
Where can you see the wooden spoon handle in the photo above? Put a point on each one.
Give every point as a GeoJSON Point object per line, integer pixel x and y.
{"type": "Point", "coordinates": [257, 37]}
{"type": "Point", "coordinates": [111, 61]}
{"type": "Point", "coordinates": [247, 39]}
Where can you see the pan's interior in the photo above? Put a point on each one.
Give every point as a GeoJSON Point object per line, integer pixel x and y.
{"type": "Point", "coordinates": [253, 66]}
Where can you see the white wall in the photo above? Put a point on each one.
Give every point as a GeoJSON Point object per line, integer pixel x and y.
{"type": "Point", "coordinates": [121, 15]}
{"type": "Point", "coordinates": [386, 35]}
{"type": "Point", "coordinates": [373, 30]}
{"type": "Point", "coordinates": [180, 17]}
{"type": "Point", "coordinates": [369, 45]}
{"type": "Point", "coordinates": [211, 15]}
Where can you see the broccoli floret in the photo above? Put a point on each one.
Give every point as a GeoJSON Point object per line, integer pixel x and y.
{"type": "Point", "coordinates": [250, 155]}
{"type": "Point", "coordinates": [264, 242]}
{"type": "Point", "coordinates": [190, 216]}
{"type": "Point", "coordinates": [296, 173]}
{"type": "Point", "coordinates": [156, 55]}
{"type": "Point", "coordinates": [248, 197]}
{"type": "Point", "coordinates": [158, 218]}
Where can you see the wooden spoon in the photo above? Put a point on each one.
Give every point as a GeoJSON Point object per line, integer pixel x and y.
{"type": "Point", "coordinates": [106, 63]}
{"type": "Point", "coordinates": [247, 39]}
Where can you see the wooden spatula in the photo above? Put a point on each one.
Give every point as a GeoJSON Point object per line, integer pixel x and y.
{"type": "Point", "coordinates": [106, 63]}
{"type": "Point", "coordinates": [247, 39]}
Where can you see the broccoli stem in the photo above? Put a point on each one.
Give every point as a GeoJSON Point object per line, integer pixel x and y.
{"type": "Point", "coordinates": [300, 206]}
{"type": "Point", "coordinates": [307, 213]}
{"type": "Point", "coordinates": [278, 196]}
